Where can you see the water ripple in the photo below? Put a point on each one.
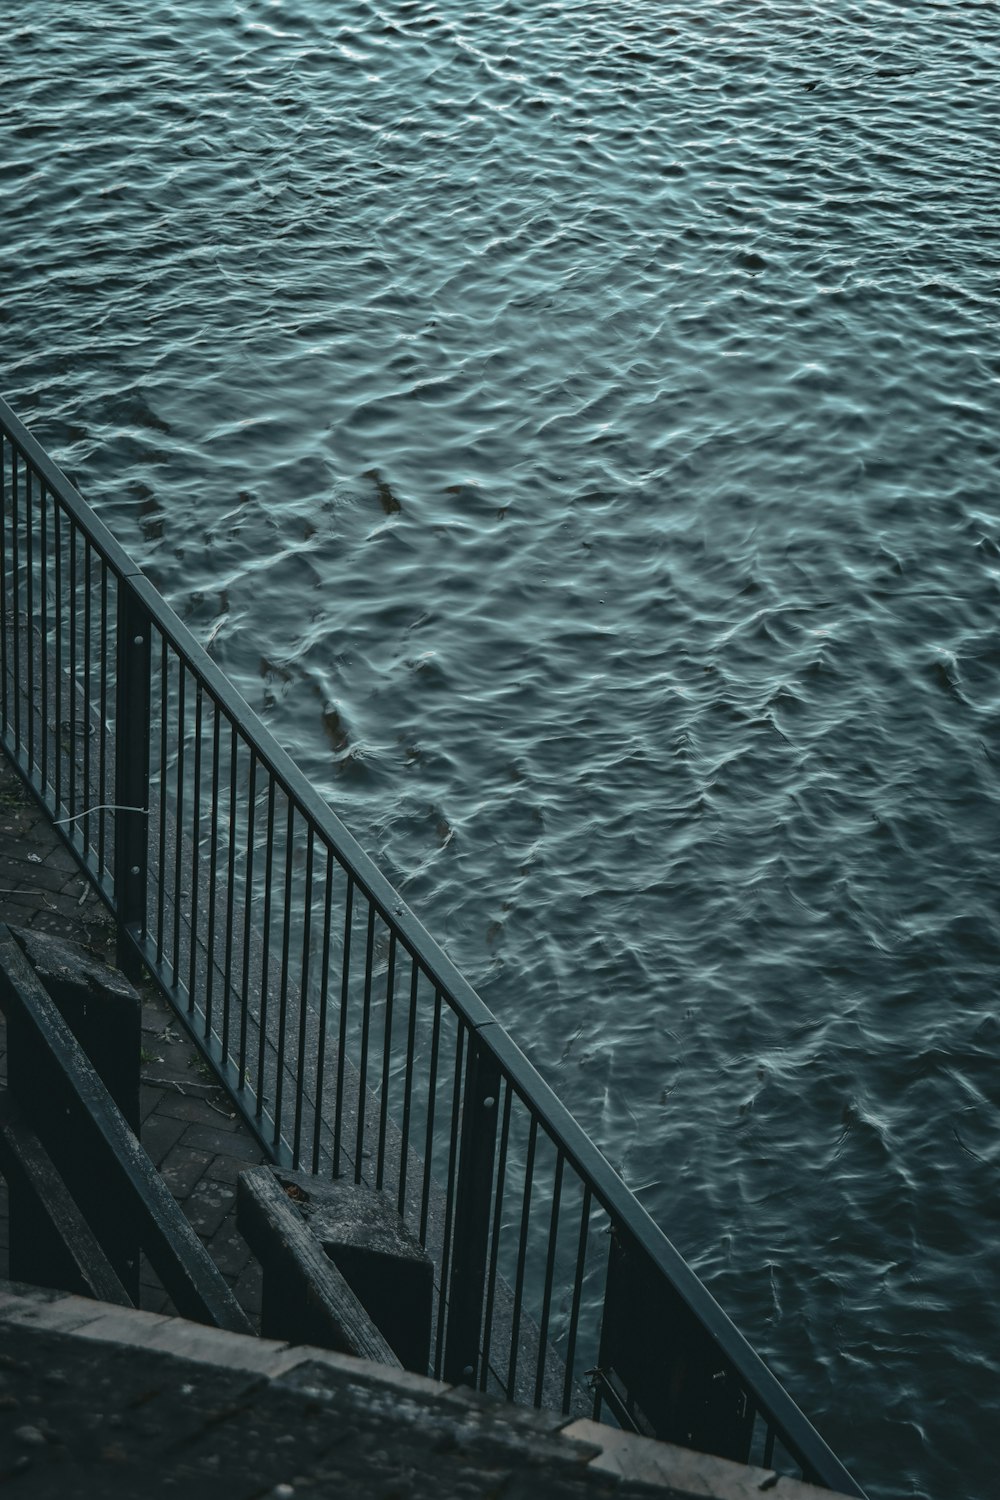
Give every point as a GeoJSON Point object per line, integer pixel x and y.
{"type": "Point", "coordinates": [573, 429]}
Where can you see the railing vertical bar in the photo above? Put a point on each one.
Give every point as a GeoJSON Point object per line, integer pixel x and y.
{"type": "Point", "coordinates": [386, 1062]}
{"type": "Point", "coordinates": [550, 1264]}
{"type": "Point", "coordinates": [324, 996]}
{"type": "Point", "coordinates": [179, 819]}
{"type": "Point", "coordinates": [574, 1316]}
{"type": "Point", "coordinates": [286, 938]}
{"type": "Point", "coordinates": [72, 672]}
{"type": "Point", "coordinates": [768, 1446]}
{"type": "Point", "coordinates": [133, 628]}
{"type": "Point", "coordinates": [265, 959]}
{"type": "Point", "coordinates": [411, 1034]}
{"type": "Point", "coordinates": [449, 1200]}
{"type": "Point", "coordinates": [477, 1111]}
{"type": "Point", "coordinates": [227, 974]}
{"type": "Point", "coordinates": [345, 982]}
{"type": "Point", "coordinates": [366, 1018]}
{"type": "Point", "coordinates": [29, 586]}
{"type": "Point", "coordinates": [195, 846]}
{"type": "Point", "coordinates": [300, 1058]}
{"type": "Point", "coordinates": [58, 654]}
{"type": "Point", "coordinates": [491, 1277]}
{"type": "Point", "coordinates": [213, 873]}
{"type": "Point", "coordinates": [522, 1251]}
{"type": "Point", "coordinates": [43, 605]}
{"type": "Point", "coordinates": [88, 624]}
{"type": "Point", "coordinates": [102, 742]}
{"type": "Point", "coordinates": [15, 562]}
{"type": "Point", "coordinates": [161, 852]}
{"type": "Point", "coordinates": [247, 913]}
{"type": "Point", "coordinates": [425, 1196]}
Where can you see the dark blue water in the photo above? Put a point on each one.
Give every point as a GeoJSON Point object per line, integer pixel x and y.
{"type": "Point", "coordinates": [574, 427]}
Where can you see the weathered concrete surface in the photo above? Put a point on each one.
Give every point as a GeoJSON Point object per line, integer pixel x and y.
{"type": "Point", "coordinates": [96, 1400]}
{"type": "Point", "coordinates": [382, 1262]}
{"type": "Point", "coordinates": [306, 1299]}
{"type": "Point", "coordinates": [101, 1008]}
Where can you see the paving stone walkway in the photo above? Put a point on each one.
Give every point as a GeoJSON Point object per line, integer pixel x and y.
{"type": "Point", "coordinates": [189, 1127]}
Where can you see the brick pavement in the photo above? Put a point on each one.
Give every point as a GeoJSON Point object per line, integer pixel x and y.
{"type": "Point", "coordinates": [189, 1127]}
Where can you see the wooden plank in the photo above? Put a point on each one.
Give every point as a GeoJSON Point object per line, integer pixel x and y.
{"type": "Point", "coordinates": [51, 1243]}
{"type": "Point", "coordinates": [306, 1299]}
{"type": "Point", "coordinates": [102, 1163]}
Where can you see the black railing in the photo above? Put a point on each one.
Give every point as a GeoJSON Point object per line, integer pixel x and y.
{"type": "Point", "coordinates": [347, 1038]}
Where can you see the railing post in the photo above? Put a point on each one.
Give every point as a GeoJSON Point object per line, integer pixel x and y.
{"type": "Point", "coordinates": [473, 1197]}
{"type": "Point", "coordinates": [131, 777]}
{"type": "Point", "coordinates": [661, 1371]}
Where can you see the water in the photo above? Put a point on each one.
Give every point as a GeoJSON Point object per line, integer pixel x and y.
{"type": "Point", "coordinates": [573, 426]}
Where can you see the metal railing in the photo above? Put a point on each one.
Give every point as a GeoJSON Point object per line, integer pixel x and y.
{"type": "Point", "coordinates": [348, 1040]}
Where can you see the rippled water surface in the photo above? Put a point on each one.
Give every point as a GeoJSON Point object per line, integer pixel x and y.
{"type": "Point", "coordinates": [574, 426]}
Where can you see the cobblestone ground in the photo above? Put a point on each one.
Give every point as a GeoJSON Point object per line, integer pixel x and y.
{"type": "Point", "coordinates": [189, 1127]}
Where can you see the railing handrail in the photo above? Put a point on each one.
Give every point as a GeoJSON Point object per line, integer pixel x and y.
{"type": "Point", "coordinates": [797, 1433]}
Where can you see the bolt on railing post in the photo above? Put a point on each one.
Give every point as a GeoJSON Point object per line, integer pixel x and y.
{"type": "Point", "coordinates": [473, 1198]}
{"type": "Point", "coordinates": [131, 777]}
